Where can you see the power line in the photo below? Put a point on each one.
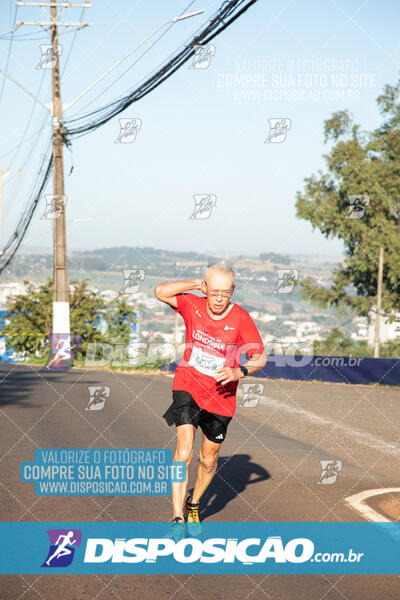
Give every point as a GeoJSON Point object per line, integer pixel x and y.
{"type": "Point", "coordinates": [227, 14]}
{"type": "Point", "coordinates": [61, 307]}
{"type": "Point", "coordinates": [138, 59]}
{"type": "Point", "coordinates": [26, 37]}
{"type": "Point", "coordinates": [16, 238]}
{"type": "Point", "coordinates": [35, 133]}
{"type": "Point", "coordinates": [73, 42]}
{"type": "Point", "coordinates": [8, 56]}
{"type": "Point", "coordinates": [24, 166]}
{"type": "Point", "coordinates": [29, 121]}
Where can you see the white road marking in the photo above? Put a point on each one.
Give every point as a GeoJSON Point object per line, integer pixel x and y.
{"type": "Point", "coordinates": [363, 438]}
{"type": "Point", "coordinates": [358, 503]}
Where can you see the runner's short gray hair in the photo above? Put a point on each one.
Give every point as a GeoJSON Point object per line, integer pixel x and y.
{"type": "Point", "coordinates": [219, 267]}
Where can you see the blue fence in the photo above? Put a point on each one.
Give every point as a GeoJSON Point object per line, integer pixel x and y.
{"type": "Point", "coordinates": [336, 369]}
{"type": "Point", "coordinates": [5, 355]}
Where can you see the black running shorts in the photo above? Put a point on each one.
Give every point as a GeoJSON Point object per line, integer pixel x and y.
{"type": "Point", "coordinates": [185, 411]}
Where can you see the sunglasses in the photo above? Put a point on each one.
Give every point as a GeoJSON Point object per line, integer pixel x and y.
{"type": "Point", "coordinates": [223, 294]}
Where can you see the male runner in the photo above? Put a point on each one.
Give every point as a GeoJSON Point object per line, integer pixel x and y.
{"type": "Point", "coordinates": [206, 379]}
{"type": "Point", "coordinates": [62, 547]}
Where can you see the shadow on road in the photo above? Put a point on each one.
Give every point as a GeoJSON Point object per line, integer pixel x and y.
{"type": "Point", "coordinates": [17, 382]}
{"type": "Point", "coordinates": [233, 475]}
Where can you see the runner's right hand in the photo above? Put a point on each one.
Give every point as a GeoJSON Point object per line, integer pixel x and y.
{"type": "Point", "coordinates": [197, 284]}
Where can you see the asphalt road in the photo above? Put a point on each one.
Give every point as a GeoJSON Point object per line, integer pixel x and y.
{"type": "Point", "coordinates": [279, 442]}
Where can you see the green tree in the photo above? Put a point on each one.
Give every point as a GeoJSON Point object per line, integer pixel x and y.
{"type": "Point", "coordinates": [29, 319]}
{"type": "Point", "coordinates": [364, 164]}
{"type": "Point", "coordinates": [119, 318]}
{"type": "Point", "coordinates": [87, 309]}
{"type": "Point", "coordinates": [275, 258]}
{"type": "Point", "coordinates": [337, 344]}
{"type": "Point", "coordinates": [390, 349]}
{"type": "Point", "coordinates": [287, 308]}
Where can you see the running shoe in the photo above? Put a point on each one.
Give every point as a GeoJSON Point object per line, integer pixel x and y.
{"type": "Point", "coordinates": [192, 515]}
{"type": "Point", "coordinates": [178, 529]}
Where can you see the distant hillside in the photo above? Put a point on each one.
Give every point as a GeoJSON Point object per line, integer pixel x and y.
{"type": "Point", "coordinates": [104, 259]}
{"type": "Point", "coordinates": [259, 272]}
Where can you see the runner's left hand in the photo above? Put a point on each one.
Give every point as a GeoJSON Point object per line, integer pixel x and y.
{"type": "Point", "coordinates": [224, 375]}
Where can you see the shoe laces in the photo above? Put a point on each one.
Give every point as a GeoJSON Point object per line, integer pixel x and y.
{"type": "Point", "coordinates": [192, 511]}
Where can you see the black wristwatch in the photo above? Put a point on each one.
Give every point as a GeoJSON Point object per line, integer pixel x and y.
{"type": "Point", "coordinates": [244, 370]}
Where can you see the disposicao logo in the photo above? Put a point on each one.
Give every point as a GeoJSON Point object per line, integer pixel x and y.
{"type": "Point", "coordinates": [216, 552]}
{"type": "Point", "coordinates": [190, 550]}
{"type": "Point", "coordinates": [62, 547]}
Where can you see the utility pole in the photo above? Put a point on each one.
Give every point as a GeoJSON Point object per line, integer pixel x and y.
{"type": "Point", "coordinates": [378, 304]}
{"type": "Point", "coordinates": [60, 339]}
{"type": "Point", "coordinates": [61, 322]}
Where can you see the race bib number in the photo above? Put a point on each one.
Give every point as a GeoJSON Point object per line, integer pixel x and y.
{"type": "Point", "coordinates": [204, 362]}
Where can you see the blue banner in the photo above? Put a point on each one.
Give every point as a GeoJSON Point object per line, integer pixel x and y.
{"type": "Point", "coordinates": [336, 369]}
{"type": "Point", "coordinates": [102, 472]}
{"type": "Point", "coordinates": [145, 548]}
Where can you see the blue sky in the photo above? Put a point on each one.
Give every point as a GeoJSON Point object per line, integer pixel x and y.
{"type": "Point", "coordinates": [204, 130]}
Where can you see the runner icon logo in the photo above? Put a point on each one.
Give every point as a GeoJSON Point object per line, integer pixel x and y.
{"type": "Point", "coordinates": [97, 397]}
{"type": "Point", "coordinates": [50, 56]}
{"type": "Point", "coordinates": [132, 280]}
{"type": "Point", "coordinates": [357, 205]}
{"type": "Point", "coordinates": [251, 394]}
{"type": "Point", "coordinates": [287, 279]}
{"type": "Point", "coordinates": [204, 204]}
{"type": "Point", "coordinates": [202, 56]}
{"type": "Point", "coordinates": [330, 470]}
{"type": "Point", "coordinates": [278, 129]}
{"type": "Point", "coordinates": [128, 130]}
{"type": "Point", "coordinates": [61, 355]}
{"type": "Point", "coordinates": [55, 204]}
{"type": "Point", "coordinates": [62, 547]}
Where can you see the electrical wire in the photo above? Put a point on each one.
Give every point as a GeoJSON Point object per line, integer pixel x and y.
{"type": "Point", "coordinates": [8, 56]}
{"type": "Point", "coordinates": [28, 122]}
{"type": "Point", "coordinates": [16, 238]}
{"type": "Point", "coordinates": [41, 129]}
{"type": "Point", "coordinates": [73, 42]}
{"type": "Point", "coordinates": [185, 10]}
{"type": "Point", "coordinates": [228, 13]}
{"type": "Point", "coordinates": [26, 37]}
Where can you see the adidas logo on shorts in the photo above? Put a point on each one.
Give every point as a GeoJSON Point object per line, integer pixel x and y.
{"type": "Point", "coordinates": [219, 437]}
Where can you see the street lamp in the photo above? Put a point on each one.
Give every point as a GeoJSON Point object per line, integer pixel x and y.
{"type": "Point", "coordinates": [174, 20]}
{"type": "Point", "coordinates": [191, 14]}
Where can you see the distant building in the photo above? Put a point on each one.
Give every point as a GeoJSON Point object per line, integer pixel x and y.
{"type": "Point", "coordinates": [387, 331]}
{"type": "Point", "coordinates": [10, 289]}
{"type": "Point", "coordinates": [361, 329]}
{"type": "Point", "coordinates": [264, 317]}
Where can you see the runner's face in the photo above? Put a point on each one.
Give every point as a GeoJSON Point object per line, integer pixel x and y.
{"type": "Point", "coordinates": [219, 288]}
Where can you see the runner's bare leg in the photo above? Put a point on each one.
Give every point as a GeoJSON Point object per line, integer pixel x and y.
{"type": "Point", "coordinates": [206, 469]}
{"type": "Point", "coordinates": [183, 452]}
